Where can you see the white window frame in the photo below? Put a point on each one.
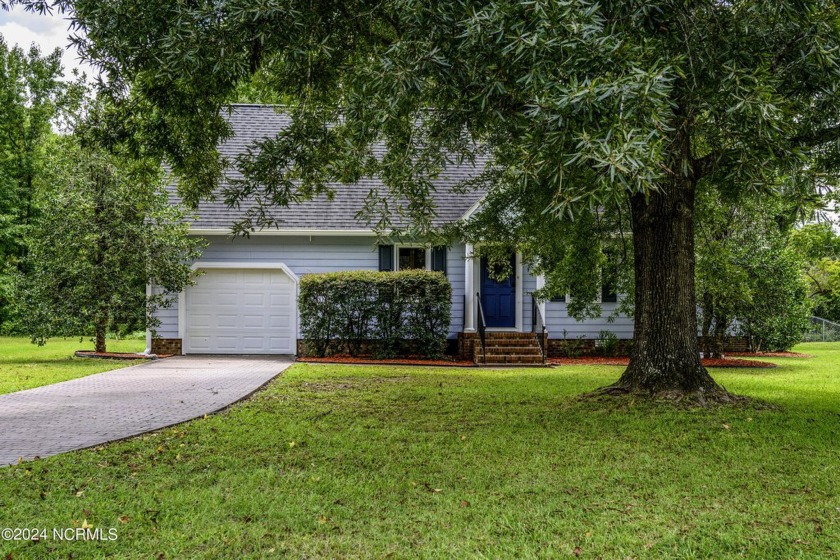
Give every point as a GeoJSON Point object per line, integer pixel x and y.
{"type": "Point", "coordinates": [598, 298]}
{"type": "Point", "coordinates": [397, 247]}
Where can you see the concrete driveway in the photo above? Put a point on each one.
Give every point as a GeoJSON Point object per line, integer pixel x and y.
{"type": "Point", "coordinates": [117, 404]}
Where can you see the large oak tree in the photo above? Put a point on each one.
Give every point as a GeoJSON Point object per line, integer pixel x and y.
{"type": "Point", "coordinates": [582, 107]}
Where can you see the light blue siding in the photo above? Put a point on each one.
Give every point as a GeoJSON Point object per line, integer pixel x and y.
{"type": "Point", "coordinates": [168, 317]}
{"type": "Point", "coordinates": [557, 319]}
{"type": "Point", "coordinates": [303, 255]}
{"type": "Point", "coordinates": [307, 255]}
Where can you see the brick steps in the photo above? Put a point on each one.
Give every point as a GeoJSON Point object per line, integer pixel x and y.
{"type": "Point", "coordinates": [513, 351]}
{"type": "Point", "coordinates": [509, 349]}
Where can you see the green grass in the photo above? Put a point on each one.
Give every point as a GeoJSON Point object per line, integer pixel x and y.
{"type": "Point", "coordinates": [24, 365]}
{"type": "Point", "coordinates": [375, 462]}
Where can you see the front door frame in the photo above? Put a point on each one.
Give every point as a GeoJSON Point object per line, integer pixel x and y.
{"type": "Point", "coordinates": [473, 286]}
{"type": "Point", "coordinates": [498, 292]}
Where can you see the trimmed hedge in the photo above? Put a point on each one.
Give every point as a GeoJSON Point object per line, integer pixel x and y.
{"type": "Point", "coordinates": [404, 312]}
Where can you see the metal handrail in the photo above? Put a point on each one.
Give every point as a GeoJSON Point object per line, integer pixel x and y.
{"type": "Point", "coordinates": [482, 328]}
{"type": "Point", "coordinates": [537, 318]}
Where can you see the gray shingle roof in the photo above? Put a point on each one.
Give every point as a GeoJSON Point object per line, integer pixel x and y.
{"type": "Point", "coordinates": [251, 123]}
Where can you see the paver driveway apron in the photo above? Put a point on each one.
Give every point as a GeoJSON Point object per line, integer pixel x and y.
{"type": "Point", "coordinates": [118, 404]}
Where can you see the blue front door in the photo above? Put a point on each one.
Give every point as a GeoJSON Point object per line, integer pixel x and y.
{"type": "Point", "coordinates": [498, 299]}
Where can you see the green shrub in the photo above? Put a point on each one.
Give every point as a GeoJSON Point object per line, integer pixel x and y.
{"type": "Point", "coordinates": [398, 312]}
{"type": "Point", "coordinates": [573, 347]}
{"type": "Point", "coordinates": [779, 318]}
{"type": "Point", "coordinates": [607, 343]}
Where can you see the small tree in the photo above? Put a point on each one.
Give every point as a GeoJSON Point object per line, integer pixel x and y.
{"type": "Point", "coordinates": [778, 316]}
{"type": "Point", "coordinates": [749, 280]}
{"type": "Point", "coordinates": [106, 231]}
{"type": "Point", "coordinates": [819, 245]}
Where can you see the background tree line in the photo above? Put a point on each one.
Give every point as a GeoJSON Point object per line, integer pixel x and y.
{"type": "Point", "coordinates": [83, 229]}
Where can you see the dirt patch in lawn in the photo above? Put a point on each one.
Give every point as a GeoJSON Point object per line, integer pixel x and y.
{"type": "Point", "coordinates": [118, 355]}
{"type": "Point", "coordinates": [623, 361]}
{"type": "Point", "coordinates": [367, 360]}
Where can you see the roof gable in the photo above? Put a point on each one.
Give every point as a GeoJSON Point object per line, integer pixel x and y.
{"type": "Point", "coordinates": [251, 123]}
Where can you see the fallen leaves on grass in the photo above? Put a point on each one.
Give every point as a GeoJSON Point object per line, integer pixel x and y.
{"type": "Point", "coordinates": [623, 361]}
{"type": "Point", "coordinates": [368, 360]}
{"type": "Point", "coordinates": [769, 354]}
{"type": "Point", "coordinates": [118, 355]}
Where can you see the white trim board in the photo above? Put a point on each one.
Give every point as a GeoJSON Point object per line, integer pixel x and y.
{"type": "Point", "coordinates": [148, 349]}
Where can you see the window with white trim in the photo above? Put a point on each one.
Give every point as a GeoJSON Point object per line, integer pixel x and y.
{"type": "Point", "coordinates": [412, 257]}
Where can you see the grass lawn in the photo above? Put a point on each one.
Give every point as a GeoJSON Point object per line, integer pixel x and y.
{"type": "Point", "coordinates": [374, 462]}
{"type": "Point", "coordinates": [24, 365]}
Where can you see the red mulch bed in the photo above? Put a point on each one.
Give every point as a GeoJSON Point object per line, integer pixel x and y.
{"type": "Point", "coordinates": [619, 361]}
{"type": "Point", "coordinates": [118, 355]}
{"type": "Point", "coordinates": [367, 360]}
{"type": "Point", "coordinates": [769, 354]}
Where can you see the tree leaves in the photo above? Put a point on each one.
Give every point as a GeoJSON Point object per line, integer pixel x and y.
{"type": "Point", "coordinates": [106, 231]}
{"type": "Point", "coordinates": [32, 99]}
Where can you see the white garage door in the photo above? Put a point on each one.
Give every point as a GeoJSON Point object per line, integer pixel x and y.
{"type": "Point", "coordinates": [241, 312]}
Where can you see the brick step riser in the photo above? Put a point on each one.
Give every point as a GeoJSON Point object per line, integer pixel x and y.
{"type": "Point", "coordinates": [516, 355]}
{"type": "Point", "coordinates": [521, 344]}
{"type": "Point", "coordinates": [508, 357]}
{"type": "Point", "coordinates": [528, 350]}
{"type": "Point", "coordinates": [516, 363]}
{"type": "Point", "coordinates": [490, 337]}
{"type": "Point", "coordinates": [507, 343]}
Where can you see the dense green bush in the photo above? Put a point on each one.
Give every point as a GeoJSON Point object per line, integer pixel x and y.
{"type": "Point", "coordinates": [397, 312]}
{"type": "Point", "coordinates": [607, 343]}
{"type": "Point", "coordinates": [779, 318]}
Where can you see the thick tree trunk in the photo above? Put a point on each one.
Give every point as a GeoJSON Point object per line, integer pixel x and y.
{"type": "Point", "coordinates": [99, 336]}
{"type": "Point", "coordinates": [665, 358]}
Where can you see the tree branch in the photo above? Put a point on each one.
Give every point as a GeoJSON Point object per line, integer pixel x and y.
{"type": "Point", "coordinates": [817, 137]}
{"type": "Point", "coordinates": [704, 166]}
